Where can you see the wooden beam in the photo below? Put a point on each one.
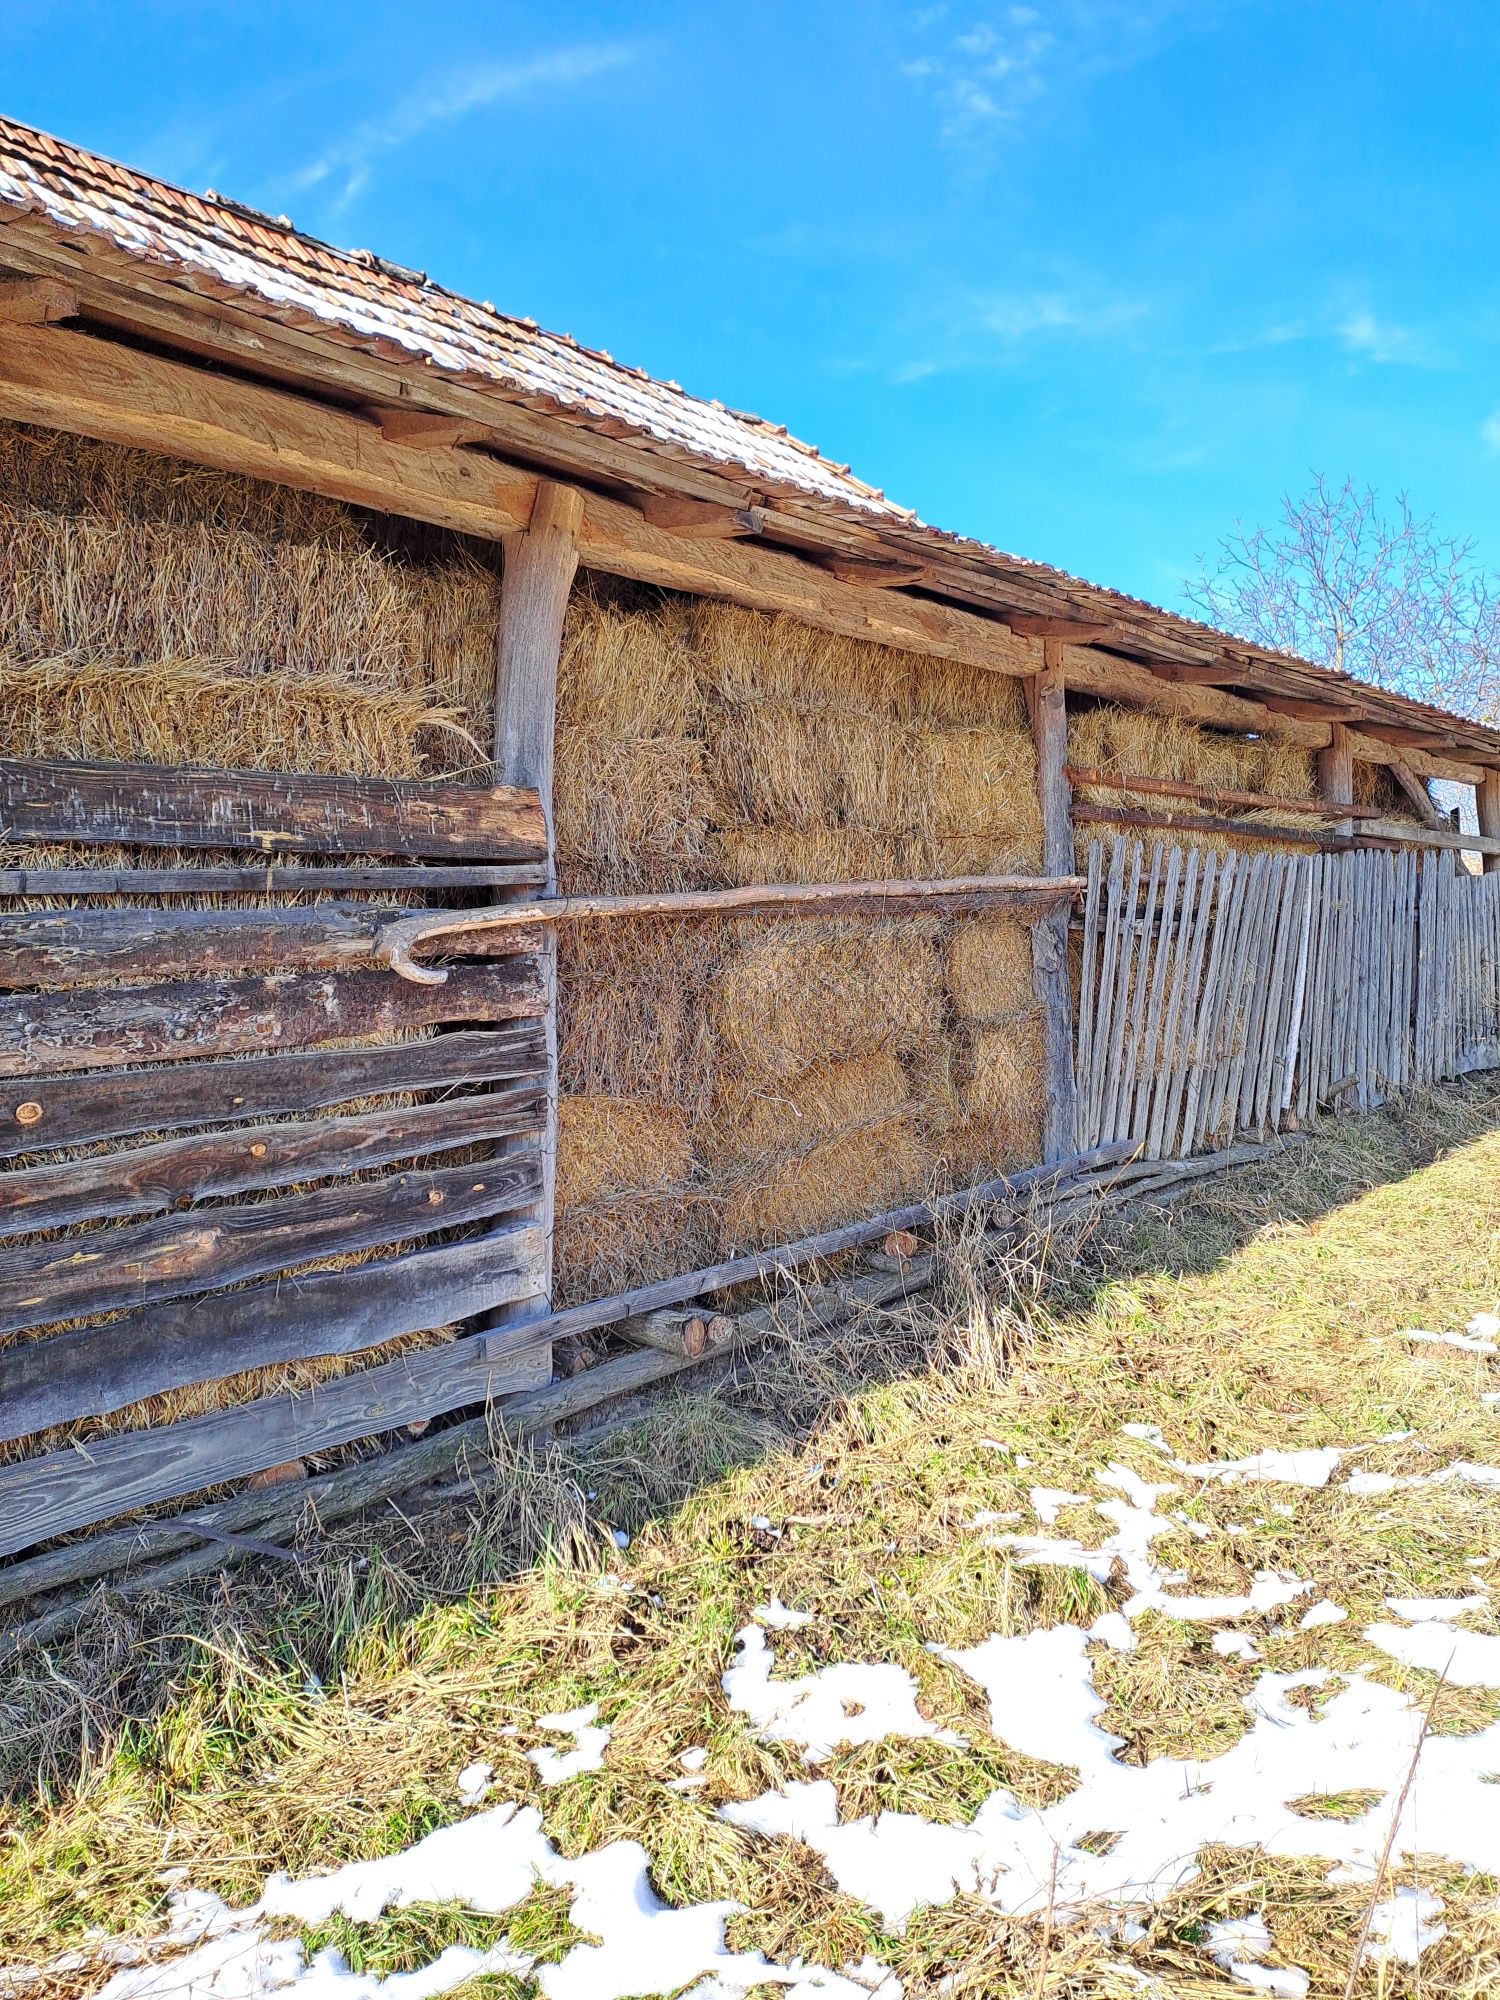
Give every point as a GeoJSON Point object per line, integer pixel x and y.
{"type": "Point", "coordinates": [135, 1263]}
{"type": "Point", "coordinates": [88, 946]}
{"type": "Point", "coordinates": [170, 1346]}
{"type": "Point", "coordinates": [1443, 836]}
{"type": "Point", "coordinates": [540, 565]}
{"type": "Point", "coordinates": [1416, 791]}
{"type": "Point", "coordinates": [77, 382]}
{"type": "Point", "coordinates": [951, 895]}
{"type": "Point", "coordinates": [1178, 675]}
{"type": "Point", "coordinates": [1172, 788]}
{"type": "Point", "coordinates": [1076, 631]}
{"type": "Point", "coordinates": [268, 880]}
{"type": "Point", "coordinates": [427, 429]}
{"type": "Point", "coordinates": [1309, 711]}
{"type": "Point", "coordinates": [42, 1032]}
{"type": "Point", "coordinates": [1487, 803]}
{"type": "Point", "coordinates": [174, 1172]}
{"type": "Point", "coordinates": [1050, 976]}
{"type": "Point", "coordinates": [1182, 822]}
{"type": "Point", "coordinates": [1336, 774]}
{"type": "Point", "coordinates": [877, 575]}
{"type": "Point", "coordinates": [1401, 737]}
{"type": "Point", "coordinates": [274, 812]}
{"type": "Point", "coordinates": [36, 301]}
{"type": "Point", "coordinates": [697, 519]}
{"type": "Point", "coordinates": [43, 1113]}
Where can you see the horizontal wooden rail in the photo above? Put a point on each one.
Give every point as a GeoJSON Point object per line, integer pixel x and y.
{"type": "Point", "coordinates": [270, 880]}
{"type": "Point", "coordinates": [42, 1113]}
{"type": "Point", "coordinates": [1445, 839]}
{"type": "Point", "coordinates": [275, 812]}
{"type": "Point", "coordinates": [1241, 829]}
{"type": "Point", "coordinates": [62, 1490]}
{"type": "Point", "coordinates": [1175, 788]}
{"type": "Point", "coordinates": [1022, 893]}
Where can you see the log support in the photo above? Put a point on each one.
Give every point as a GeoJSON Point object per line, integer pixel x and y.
{"type": "Point", "coordinates": [540, 563]}
{"type": "Point", "coordinates": [1487, 800]}
{"type": "Point", "coordinates": [1049, 935]}
{"type": "Point", "coordinates": [1336, 774]}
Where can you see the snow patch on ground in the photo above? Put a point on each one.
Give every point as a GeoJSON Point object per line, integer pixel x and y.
{"type": "Point", "coordinates": [590, 1740]}
{"type": "Point", "coordinates": [1402, 1927]}
{"type": "Point", "coordinates": [823, 1710]}
{"type": "Point", "coordinates": [1467, 1659]}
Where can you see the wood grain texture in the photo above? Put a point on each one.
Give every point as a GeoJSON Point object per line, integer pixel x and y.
{"type": "Point", "coordinates": [274, 812]}
{"type": "Point", "coordinates": [432, 878]}
{"type": "Point", "coordinates": [92, 1372]}
{"type": "Point", "coordinates": [206, 1248]}
{"type": "Point", "coordinates": [1051, 979]}
{"type": "Point", "coordinates": [40, 1032]}
{"type": "Point", "coordinates": [176, 1172]}
{"type": "Point", "coordinates": [45, 1112]}
{"type": "Point", "coordinates": [63, 1490]}
{"type": "Point", "coordinates": [84, 947]}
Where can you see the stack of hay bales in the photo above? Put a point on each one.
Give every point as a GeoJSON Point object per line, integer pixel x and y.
{"type": "Point", "coordinates": [151, 611]}
{"type": "Point", "coordinates": [821, 1069]}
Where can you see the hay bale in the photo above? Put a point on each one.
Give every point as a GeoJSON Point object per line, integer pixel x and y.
{"type": "Point", "coordinates": [751, 854]}
{"type": "Point", "coordinates": [797, 995]}
{"type": "Point", "coordinates": [856, 1174]}
{"type": "Point", "coordinates": [626, 1211]}
{"type": "Point", "coordinates": [1002, 1090]}
{"type": "Point", "coordinates": [758, 1122]}
{"type": "Point", "coordinates": [632, 813]}
{"type": "Point", "coordinates": [988, 969]}
{"type": "Point", "coordinates": [625, 671]}
{"type": "Point", "coordinates": [633, 1016]}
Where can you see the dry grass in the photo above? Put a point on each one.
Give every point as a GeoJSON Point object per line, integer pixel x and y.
{"type": "Point", "coordinates": [1262, 1313]}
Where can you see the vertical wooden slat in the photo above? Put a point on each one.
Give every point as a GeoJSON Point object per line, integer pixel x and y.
{"type": "Point", "coordinates": [1087, 1004]}
{"type": "Point", "coordinates": [1149, 1077]}
{"type": "Point", "coordinates": [1256, 958]}
{"type": "Point", "coordinates": [1310, 1027]}
{"type": "Point", "coordinates": [1229, 1033]}
{"type": "Point", "coordinates": [1271, 1003]}
{"type": "Point", "coordinates": [1282, 1068]}
{"type": "Point", "coordinates": [1197, 892]}
{"type": "Point", "coordinates": [1120, 1006]}
{"type": "Point", "coordinates": [1231, 896]}
{"type": "Point", "coordinates": [1144, 962]}
{"type": "Point", "coordinates": [1104, 1016]}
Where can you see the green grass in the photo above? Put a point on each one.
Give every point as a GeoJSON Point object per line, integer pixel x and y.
{"type": "Point", "coordinates": [295, 1722]}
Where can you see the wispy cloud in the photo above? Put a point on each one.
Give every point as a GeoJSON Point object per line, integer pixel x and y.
{"type": "Point", "coordinates": [987, 74]}
{"type": "Point", "coordinates": [1000, 329]}
{"type": "Point", "coordinates": [1489, 433]}
{"type": "Point", "coordinates": [348, 163]}
{"type": "Point", "coordinates": [1383, 341]}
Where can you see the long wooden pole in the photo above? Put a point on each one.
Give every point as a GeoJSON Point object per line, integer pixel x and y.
{"type": "Point", "coordinates": [1336, 773]}
{"type": "Point", "coordinates": [540, 564]}
{"type": "Point", "coordinates": [398, 939]}
{"type": "Point", "coordinates": [1051, 983]}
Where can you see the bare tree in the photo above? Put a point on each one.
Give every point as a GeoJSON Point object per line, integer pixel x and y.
{"type": "Point", "coordinates": [1385, 596]}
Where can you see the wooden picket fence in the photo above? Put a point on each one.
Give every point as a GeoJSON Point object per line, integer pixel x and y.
{"type": "Point", "coordinates": [1219, 995]}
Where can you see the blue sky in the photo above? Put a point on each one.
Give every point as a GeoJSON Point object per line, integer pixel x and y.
{"type": "Point", "coordinates": [1087, 280]}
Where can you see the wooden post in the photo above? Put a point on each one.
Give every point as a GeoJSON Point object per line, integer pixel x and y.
{"type": "Point", "coordinates": [1049, 935]}
{"type": "Point", "coordinates": [1336, 773]}
{"type": "Point", "coordinates": [1487, 801]}
{"type": "Point", "coordinates": [540, 564]}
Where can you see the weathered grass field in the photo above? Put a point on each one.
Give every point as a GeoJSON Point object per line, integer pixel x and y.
{"type": "Point", "coordinates": [296, 1720]}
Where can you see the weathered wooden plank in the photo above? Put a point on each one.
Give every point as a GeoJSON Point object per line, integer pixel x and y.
{"type": "Point", "coordinates": [1086, 996]}
{"type": "Point", "coordinates": [1205, 1023]}
{"type": "Point", "coordinates": [1214, 795]}
{"type": "Point", "coordinates": [271, 879]}
{"type": "Point", "coordinates": [61, 1031]}
{"type": "Point", "coordinates": [176, 1172]}
{"type": "Point", "coordinates": [93, 1371]}
{"type": "Point", "coordinates": [1112, 918]}
{"type": "Point", "coordinates": [1196, 890]}
{"type": "Point", "coordinates": [1261, 831]}
{"type": "Point", "coordinates": [142, 1261]}
{"type": "Point", "coordinates": [1147, 953]}
{"type": "Point", "coordinates": [1150, 1078]}
{"type": "Point", "coordinates": [69, 948]}
{"type": "Point", "coordinates": [1114, 1051]}
{"type": "Point", "coordinates": [274, 812]}
{"type": "Point", "coordinates": [63, 1490]}
{"type": "Point", "coordinates": [44, 1112]}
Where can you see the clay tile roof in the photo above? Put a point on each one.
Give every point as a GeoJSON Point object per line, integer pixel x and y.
{"type": "Point", "coordinates": [358, 293]}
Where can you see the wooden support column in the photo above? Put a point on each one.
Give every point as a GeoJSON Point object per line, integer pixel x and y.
{"type": "Point", "coordinates": [1047, 702]}
{"type": "Point", "coordinates": [1336, 774]}
{"type": "Point", "coordinates": [540, 563]}
{"type": "Point", "coordinates": [1487, 802]}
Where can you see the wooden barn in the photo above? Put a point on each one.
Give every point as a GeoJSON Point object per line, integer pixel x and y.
{"type": "Point", "coordinates": [498, 854]}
